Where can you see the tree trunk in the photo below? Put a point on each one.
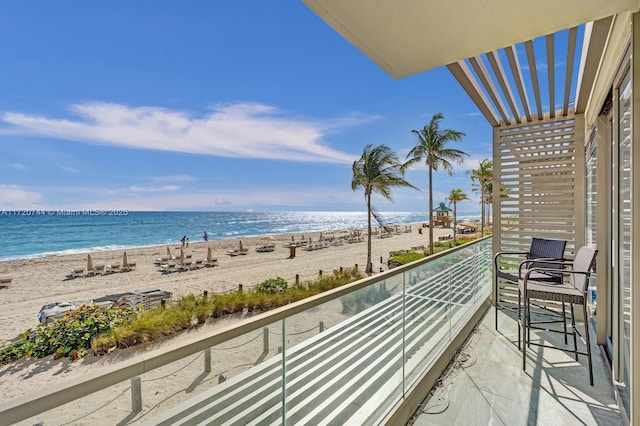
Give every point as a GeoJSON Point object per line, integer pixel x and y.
{"type": "Point", "coordinates": [481, 214]}
{"type": "Point", "coordinates": [369, 268]}
{"type": "Point", "coordinates": [430, 210]}
{"type": "Point", "coordinates": [455, 220]}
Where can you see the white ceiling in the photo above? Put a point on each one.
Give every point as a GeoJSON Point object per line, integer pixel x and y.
{"type": "Point", "coordinates": [405, 37]}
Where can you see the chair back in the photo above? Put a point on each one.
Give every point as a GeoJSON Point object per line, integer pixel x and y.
{"type": "Point", "coordinates": [544, 248]}
{"type": "Point", "coordinates": [584, 262]}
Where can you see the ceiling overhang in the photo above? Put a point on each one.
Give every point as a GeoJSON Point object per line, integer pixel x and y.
{"type": "Point", "coordinates": [406, 37]}
{"type": "Point", "coordinates": [487, 46]}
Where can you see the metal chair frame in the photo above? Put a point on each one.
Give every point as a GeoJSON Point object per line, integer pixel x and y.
{"type": "Point", "coordinates": [536, 256]}
{"type": "Point", "coordinates": [566, 293]}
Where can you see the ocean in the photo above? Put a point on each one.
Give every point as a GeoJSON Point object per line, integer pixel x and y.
{"type": "Point", "coordinates": [36, 233]}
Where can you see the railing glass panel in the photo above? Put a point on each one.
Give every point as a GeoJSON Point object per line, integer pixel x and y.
{"type": "Point", "coordinates": [346, 357]}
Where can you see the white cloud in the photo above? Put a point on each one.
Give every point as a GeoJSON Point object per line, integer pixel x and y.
{"type": "Point", "coordinates": [19, 166]}
{"type": "Point", "coordinates": [68, 169]}
{"type": "Point", "coordinates": [173, 178]}
{"type": "Point", "coordinates": [241, 130]}
{"type": "Point", "coordinates": [164, 188]}
{"type": "Point", "coordinates": [17, 197]}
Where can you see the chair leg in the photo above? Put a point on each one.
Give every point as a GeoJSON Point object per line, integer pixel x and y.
{"type": "Point", "coordinates": [588, 340]}
{"type": "Point", "coordinates": [525, 318]}
{"type": "Point", "coordinates": [495, 300]}
{"type": "Point", "coordinates": [573, 329]}
{"type": "Point", "coordinates": [519, 319]}
{"type": "Point", "coordinates": [527, 310]}
{"type": "Point", "coordinates": [564, 322]}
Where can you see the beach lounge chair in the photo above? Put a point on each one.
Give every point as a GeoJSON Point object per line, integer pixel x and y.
{"type": "Point", "coordinates": [5, 280]}
{"type": "Point", "coordinates": [77, 272]}
{"type": "Point", "coordinates": [188, 263]}
{"type": "Point", "coordinates": [266, 248]}
{"type": "Point", "coordinates": [169, 267]}
{"type": "Point", "coordinates": [239, 251]}
{"type": "Point", "coordinates": [100, 268]}
{"type": "Point", "coordinates": [162, 260]}
{"type": "Point", "coordinates": [113, 267]}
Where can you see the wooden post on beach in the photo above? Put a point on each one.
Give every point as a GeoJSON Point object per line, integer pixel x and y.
{"type": "Point", "coordinates": [136, 394]}
{"type": "Point", "coordinates": [381, 261]}
{"type": "Point", "coordinates": [356, 266]}
{"type": "Point", "coordinates": [320, 273]}
{"type": "Point", "coordinates": [297, 279]}
{"type": "Point", "coordinates": [207, 359]}
{"type": "Point", "coordinates": [321, 327]}
{"type": "Point", "coordinates": [341, 269]}
{"type": "Point", "coordinates": [205, 294]}
{"type": "Point", "coordinates": [265, 340]}
{"type": "Point", "coordinates": [240, 288]}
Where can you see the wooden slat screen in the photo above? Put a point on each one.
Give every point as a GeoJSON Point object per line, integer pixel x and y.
{"type": "Point", "coordinates": [536, 187]}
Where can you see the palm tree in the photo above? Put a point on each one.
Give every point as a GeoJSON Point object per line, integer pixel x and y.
{"type": "Point", "coordinates": [431, 147]}
{"type": "Point", "coordinates": [377, 171]}
{"type": "Point", "coordinates": [482, 178]}
{"type": "Point", "coordinates": [455, 196]}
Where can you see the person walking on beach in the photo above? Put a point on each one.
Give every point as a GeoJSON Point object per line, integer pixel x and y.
{"type": "Point", "coordinates": [184, 241]}
{"type": "Point", "coordinates": [205, 236]}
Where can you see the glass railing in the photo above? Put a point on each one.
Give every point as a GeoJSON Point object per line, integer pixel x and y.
{"type": "Point", "coordinates": [347, 356]}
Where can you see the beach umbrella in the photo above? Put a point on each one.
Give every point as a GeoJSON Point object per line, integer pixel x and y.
{"type": "Point", "coordinates": [241, 245]}
{"type": "Point", "coordinates": [89, 263]}
{"type": "Point", "coordinates": [181, 257]}
{"type": "Point", "coordinates": [125, 261]}
{"type": "Point", "coordinates": [169, 253]}
{"type": "Point", "coordinates": [209, 255]}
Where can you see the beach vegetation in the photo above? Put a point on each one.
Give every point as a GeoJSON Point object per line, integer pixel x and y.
{"type": "Point", "coordinates": [409, 257]}
{"type": "Point", "coordinates": [99, 330]}
{"type": "Point", "coordinates": [273, 285]}
{"type": "Point", "coordinates": [431, 148]}
{"type": "Point", "coordinates": [70, 336]}
{"type": "Point", "coordinates": [377, 171]}
{"type": "Point", "coordinates": [438, 246]}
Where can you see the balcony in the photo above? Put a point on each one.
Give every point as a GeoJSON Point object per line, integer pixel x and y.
{"type": "Point", "coordinates": [486, 384]}
{"type": "Point", "coordinates": [366, 353]}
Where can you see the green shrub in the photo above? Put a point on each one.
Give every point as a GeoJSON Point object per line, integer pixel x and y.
{"type": "Point", "coordinates": [101, 330]}
{"type": "Point", "coordinates": [272, 286]}
{"type": "Point", "coordinates": [70, 336]}
{"type": "Point", "coordinates": [407, 257]}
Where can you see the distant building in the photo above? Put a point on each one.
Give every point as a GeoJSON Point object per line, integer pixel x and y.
{"type": "Point", "coordinates": [441, 216]}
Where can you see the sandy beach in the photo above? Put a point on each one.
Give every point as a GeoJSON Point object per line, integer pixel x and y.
{"type": "Point", "coordinates": [45, 280]}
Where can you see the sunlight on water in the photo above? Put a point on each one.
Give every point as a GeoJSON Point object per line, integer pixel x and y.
{"type": "Point", "coordinates": [39, 235]}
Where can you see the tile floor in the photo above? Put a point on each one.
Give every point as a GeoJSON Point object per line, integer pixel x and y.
{"type": "Point", "coordinates": [486, 384]}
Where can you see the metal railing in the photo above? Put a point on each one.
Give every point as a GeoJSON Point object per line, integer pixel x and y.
{"type": "Point", "coordinates": [349, 355]}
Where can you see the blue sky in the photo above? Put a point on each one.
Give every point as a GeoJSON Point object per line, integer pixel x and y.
{"type": "Point", "coordinates": [206, 105]}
